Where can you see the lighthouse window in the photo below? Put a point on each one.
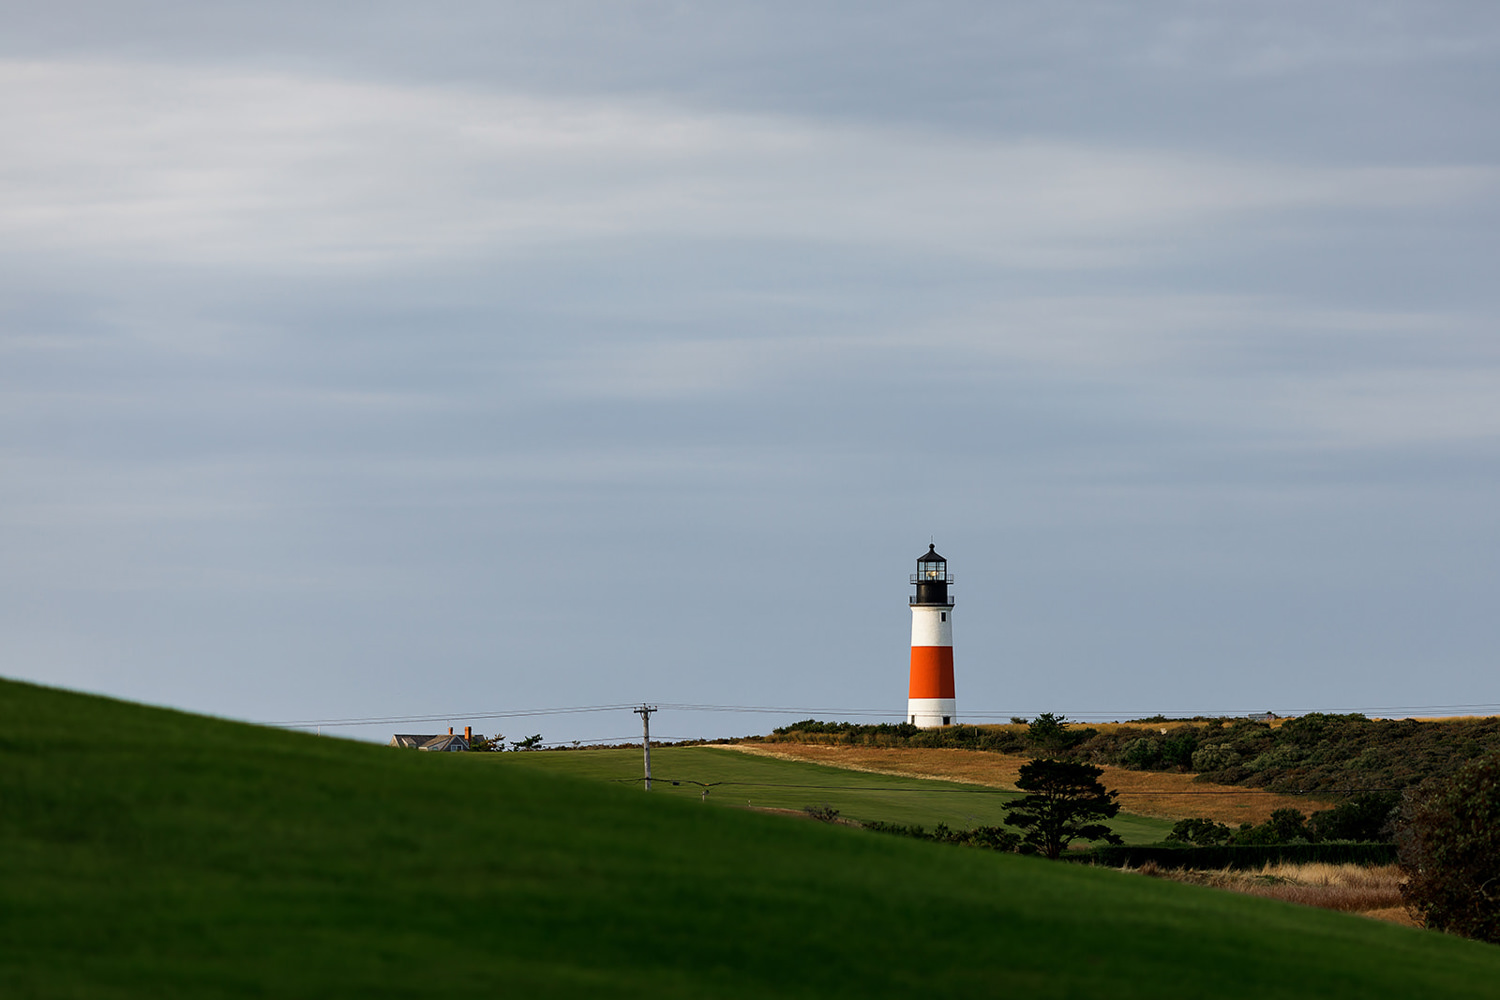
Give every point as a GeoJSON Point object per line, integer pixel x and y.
{"type": "Point", "coordinates": [944, 614]}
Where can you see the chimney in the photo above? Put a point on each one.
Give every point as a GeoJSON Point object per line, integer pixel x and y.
{"type": "Point", "coordinates": [450, 730]}
{"type": "Point", "coordinates": [468, 734]}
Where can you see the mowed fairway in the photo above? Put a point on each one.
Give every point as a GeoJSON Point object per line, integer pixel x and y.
{"type": "Point", "coordinates": [739, 779]}
{"type": "Point", "coordinates": [146, 853]}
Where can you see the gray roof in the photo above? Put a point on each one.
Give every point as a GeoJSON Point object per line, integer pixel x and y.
{"type": "Point", "coordinates": [422, 741]}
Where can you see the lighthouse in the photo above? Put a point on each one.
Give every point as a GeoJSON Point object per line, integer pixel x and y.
{"type": "Point", "coordinates": [931, 701]}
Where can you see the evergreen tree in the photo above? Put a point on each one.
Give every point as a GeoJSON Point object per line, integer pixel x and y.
{"type": "Point", "coordinates": [1066, 803]}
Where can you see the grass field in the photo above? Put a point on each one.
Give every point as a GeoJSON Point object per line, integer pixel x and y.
{"type": "Point", "coordinates": [1164, 795]}
{"type": "Point", "coordinates": [739, 779]}
{"type": "Point", "coordinates": [146, 853]}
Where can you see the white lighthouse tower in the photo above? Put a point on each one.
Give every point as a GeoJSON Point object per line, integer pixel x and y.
{"type": "Point", "coordinates": [930, 699]}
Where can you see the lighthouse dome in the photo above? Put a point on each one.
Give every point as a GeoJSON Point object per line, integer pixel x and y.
{"type": "Point", "coordinates": [932, 579]}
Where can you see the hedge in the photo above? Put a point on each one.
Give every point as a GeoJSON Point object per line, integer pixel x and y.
{"type": "Point", "coordinates": [1243, 856]}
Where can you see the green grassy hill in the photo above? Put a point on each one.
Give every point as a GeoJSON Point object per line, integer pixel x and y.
{"type": "Point", "coordinates": [146, 853]}
{"type": "Point", "coordinates": [740, 779]}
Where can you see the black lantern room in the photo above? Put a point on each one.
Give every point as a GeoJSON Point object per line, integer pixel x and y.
{"type": "Point", "coordinates": [932, 580]}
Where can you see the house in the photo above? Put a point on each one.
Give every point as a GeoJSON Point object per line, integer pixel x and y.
{"type": "Point", "coordinates": [1263, 717]}
{"type": "Point", "coordinates": [449, 742]}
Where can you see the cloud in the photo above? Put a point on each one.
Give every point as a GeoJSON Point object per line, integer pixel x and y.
{"type": "Point", "coordinates": [1290, 373]}
{"type": "Point", "coordinates": [1282, 373]}
{"type": "Point", "coordinates": [279, 171]}
{"type": "Point", "coordinates": [1333, 37]}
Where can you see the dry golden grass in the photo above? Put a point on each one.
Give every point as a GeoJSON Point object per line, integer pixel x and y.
{"type": "Point", "coordinates": [1144, 793]}
{"type": "Point", "coordinates": [1371, 891]}
{"type": "Point", "coordinates": [1013, 727]}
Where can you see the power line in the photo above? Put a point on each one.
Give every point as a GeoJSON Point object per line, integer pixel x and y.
{"type": "Point", "coordinates": [1134, 714]}
{"type": "Point", "coordinates": [394, 719]}
{"type": "Point", "coordinates": [782, 710]}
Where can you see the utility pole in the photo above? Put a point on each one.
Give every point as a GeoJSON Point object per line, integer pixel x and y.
{"type": "Point", "coordinates": [645, 713]}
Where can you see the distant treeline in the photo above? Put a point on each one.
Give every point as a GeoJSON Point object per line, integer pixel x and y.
{"type": "Point", "coordinates": [1334, 755]}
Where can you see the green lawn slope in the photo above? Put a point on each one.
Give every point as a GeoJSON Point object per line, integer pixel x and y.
{"type": "Point", "coordinates": [740, 779]}
{"type": "Point", "coordinates": [146, 853]}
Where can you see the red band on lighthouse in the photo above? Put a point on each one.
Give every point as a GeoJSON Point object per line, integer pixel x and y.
{"type": "Point", "coordinates": [931, 672]}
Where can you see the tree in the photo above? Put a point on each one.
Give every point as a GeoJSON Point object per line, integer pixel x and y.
{"type": "Point", "coordinates": [1048, 730]}
{"type": "Point", "coordinates": [1215, 757]}
{"type": "Point", "coordinates": [1066, 803]}
{"type": "Point", "coordinates": [1286, 826]}
{"type": "Point", "coordinates": [1365, 817]}
{"type": "Point", "coordinates": [529, 743]}
{"type": "Point", "coordinates": [1448, 843]}
{"type": "Point", "coordinates": [1198, 831]}
{"type": "Point", "coordinates": [1141, 753]}
{"type": "Point", "coordinates": [1049, 734]}
{"type": "Point", "coordinates": [1179, 748]}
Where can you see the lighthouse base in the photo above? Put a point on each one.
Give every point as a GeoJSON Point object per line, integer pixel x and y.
{"type": "Point", "coordinates": [932, 712]}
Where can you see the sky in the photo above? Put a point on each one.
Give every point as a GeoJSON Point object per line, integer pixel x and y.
{"type": "Point", "coordinates": [466, 363]}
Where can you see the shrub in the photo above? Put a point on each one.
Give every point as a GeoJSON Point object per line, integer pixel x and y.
{"type": "Point", "coordinates": [1448, 836]}
{"type": "Point", "coordinates": [993, 838]}
{"type": "Point", "coordinates": [1198, 831]}
{"type": "Point", "coordinates": [1280, 759]}
{"type": "Point", "coordinates": [1365, 817]}
{"type": "Point", "coordinates": [1250, 835]}
{"type": "Point", "coordinates": [1286, 826]}
{"type": "Point", "coordinates": [1215, 757]}
{"type": "Point", "coordinates": [1049, 732]}
{"type": "Point", "coordinates": [1177, 750]}
{"type": "Point", "coordinates": [1141, 753]}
